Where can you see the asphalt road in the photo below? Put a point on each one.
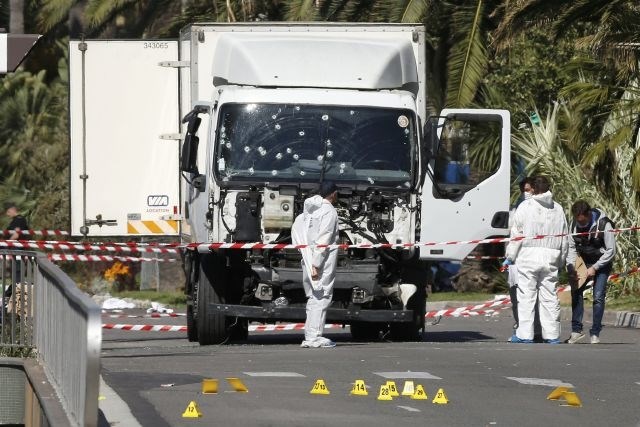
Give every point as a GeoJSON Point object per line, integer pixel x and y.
{"type": "Point", "coordinates": [486, 380]}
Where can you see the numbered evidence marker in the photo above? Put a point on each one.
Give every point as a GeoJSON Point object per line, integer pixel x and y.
{"type": "Point", "coordinates": [359, 389]}
{"type": "Point", "coordinates": [564, 393]}
{"type": "Point", "coordinates": [384, 393]}
{"type": "Point", "coordinates": [209, 386]}
{"type": "Point", "coordinates": [192, 411]}
{"type": "Point", "coordinates": [408, 390]}
{"type": "Point", "coordinates": [419, 393]}
{"type": "Point", "coordinates": [440, 397]}
{"type": "Point", "coordinates": [393, 391]}
{"type": "Point", "coordinates": [319, 388]}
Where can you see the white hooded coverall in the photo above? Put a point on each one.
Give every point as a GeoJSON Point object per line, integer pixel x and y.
{"type": "Point", "coordinates": [317, 225]}
{"type": "Point", "coordinates": [538, 262]}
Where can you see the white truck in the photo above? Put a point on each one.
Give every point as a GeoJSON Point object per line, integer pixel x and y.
{"type": "Point", "coordinates": [218, 137]}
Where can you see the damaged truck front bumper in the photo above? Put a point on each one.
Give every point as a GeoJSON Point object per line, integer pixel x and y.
{"type": "Point", "coordinates": [335, 315]}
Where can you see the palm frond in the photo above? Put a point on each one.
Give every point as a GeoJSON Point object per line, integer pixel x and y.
{"type": "Point", "coordinates": [97, 12]}
{"type": "Point", "coordinates": [468, 56]}
{"type": "Point", "coordinates": [53, 12]}
{"type": "Point", "coordinates": [301, 10]}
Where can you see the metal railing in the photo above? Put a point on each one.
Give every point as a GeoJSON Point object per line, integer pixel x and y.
{"type": "Point", "coordinates": [44, 311]}
{"type": "Point", "coordinates": [17, 320]}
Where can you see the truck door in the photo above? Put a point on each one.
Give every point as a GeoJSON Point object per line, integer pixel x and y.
{"type": "Point", "coordinates": [465, 195]}
{"type": "Point", "coordinates": [124, 119]}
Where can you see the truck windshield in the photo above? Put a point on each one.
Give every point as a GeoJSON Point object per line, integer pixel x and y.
{"type": "Point", "coordinates": [295, 143]}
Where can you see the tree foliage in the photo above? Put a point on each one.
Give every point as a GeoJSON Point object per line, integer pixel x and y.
{"type": "Point", "coordinates": [573, 62]}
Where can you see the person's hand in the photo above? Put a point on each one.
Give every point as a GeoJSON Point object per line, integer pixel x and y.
{"type": "Point", "coordinates": [315, 274]}
{"type": "Point", "coordinates": [591, 272]}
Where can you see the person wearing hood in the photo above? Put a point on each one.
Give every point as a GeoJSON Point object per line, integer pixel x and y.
{"type": "Point", "coordinates": [318, 225]}
{"type": "Point", "coordinates": [538, 262]}
{"type": "Point", "coordinates": [597, 249]}
{"type": "Point", "coordinates": [526, 192]}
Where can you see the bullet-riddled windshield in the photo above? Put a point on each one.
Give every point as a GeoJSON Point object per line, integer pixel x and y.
{"type": "Point", "coordinates": [294, 143]}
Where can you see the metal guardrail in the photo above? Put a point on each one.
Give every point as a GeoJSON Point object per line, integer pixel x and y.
{"type": "Point", "coordinates": [17, 320]}
{"type": "Point", "coordinates": [43, 310]}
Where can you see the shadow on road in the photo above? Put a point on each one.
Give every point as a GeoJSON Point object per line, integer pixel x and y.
{"type": "Point", "coordinates": [456, 336]}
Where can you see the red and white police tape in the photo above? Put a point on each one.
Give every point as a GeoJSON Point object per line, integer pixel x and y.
{"type": "Point", "coordinates": [486, 308]}
{"type": "Point", "coordinates": [106, 258]}
{"type": "Point", "coordinates": [36, 232]}
{"type": "Point", "coordinates": [66, 246]}
{"type": "Point", "coordinates": [174, 248]}
{"type": "Point", "coordinates": [146, 328]}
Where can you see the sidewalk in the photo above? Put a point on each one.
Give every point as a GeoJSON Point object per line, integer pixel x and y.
{"type": "Point", "coordinates": [618, 319]}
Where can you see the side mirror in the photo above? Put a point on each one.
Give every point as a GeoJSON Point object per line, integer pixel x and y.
{"type": "Point", "coordinates": [189, 155]}
{"type": "Point", "coordinates": [189, 158]}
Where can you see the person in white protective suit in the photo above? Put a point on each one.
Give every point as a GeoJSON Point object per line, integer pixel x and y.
{"type": "Point", "coordinates": [538, 262]}
{"type": "Point", "coordinates": [318, 225]}
{"type": "Point", "coordinates": [526, 192]}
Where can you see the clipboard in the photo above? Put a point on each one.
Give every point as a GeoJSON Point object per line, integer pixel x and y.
{"type": "Point", "coordinates": [581, 272]}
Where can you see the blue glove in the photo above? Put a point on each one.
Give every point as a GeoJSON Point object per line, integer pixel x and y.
{"type": "Point", "coordinates": [507, 262]}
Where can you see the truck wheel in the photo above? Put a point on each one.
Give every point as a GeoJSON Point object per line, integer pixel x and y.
{"type": "Point", "coordinates": [211, 324]}
{"type": "Point", "coordinates": [192, 329]}
{"type": "Point", "coordinates": [190, 269]}
{"type": "Point", "coordinates": [365, 331]}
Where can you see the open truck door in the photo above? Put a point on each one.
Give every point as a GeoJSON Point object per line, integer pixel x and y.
{"type": "Point", "coordinates": [124, 117]}
{"type": "Point", "coordinates": [465, 195]}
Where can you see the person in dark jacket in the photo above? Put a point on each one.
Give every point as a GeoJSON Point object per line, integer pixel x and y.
{"type": "Point", "coordinates": [18, 224]}
{"type": "Point", "coordinates": [597, 249]}
{"type": "Point", "coordinates": [17, 227]}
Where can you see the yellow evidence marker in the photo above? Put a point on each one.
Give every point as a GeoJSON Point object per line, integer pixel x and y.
{"type": "Point", "coordinates": [192, 411]}
{"type": "Point", "coordinates": [384, 393]}
{"type": "Point", "coordinates": [237, 385]}
{"type": "Point", "coordinates": [572, 399]}
{"type": "Point", "coordinates": [419, 394]}
{"type": "Point", "coordinates": [557, 393]}
{"type": "Point", "coordinates": [209, 386]}
{"type": "Point", "coordinates": [393, 391]}
{"type": "Point", "coordinates": [319, 388]}
{"type": "Point", "coordinates": [408, 389]}
{"type": "Point", "coordinates": [359, 389]}
{"type": "Point", "coordinates": [440, 397]}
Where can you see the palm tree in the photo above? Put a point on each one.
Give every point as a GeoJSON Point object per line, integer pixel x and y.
{"type": "Point", "coordinates": [33, 129]}
{"type": "Point", "coordinates": [605, 96]}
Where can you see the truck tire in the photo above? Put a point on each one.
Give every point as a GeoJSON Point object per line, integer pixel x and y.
{"type": "Point", "coordinates": [190, 269]}
{"type": "Point", "coordinates": [211, 324]}
{"type": "Point", "coordinates": [192, 328]}
{"type": "Point", "coordinates": [365, 331]}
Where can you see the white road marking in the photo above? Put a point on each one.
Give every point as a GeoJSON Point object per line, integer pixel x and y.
{"type": "Point", "coordinates": [407, 375]}
{"type": "Point", "coordinates": [409, 408]}
{"type": "Point", "coordinates": [541, 381]}
{"type": "Point", "coordinates": [273, 374]}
